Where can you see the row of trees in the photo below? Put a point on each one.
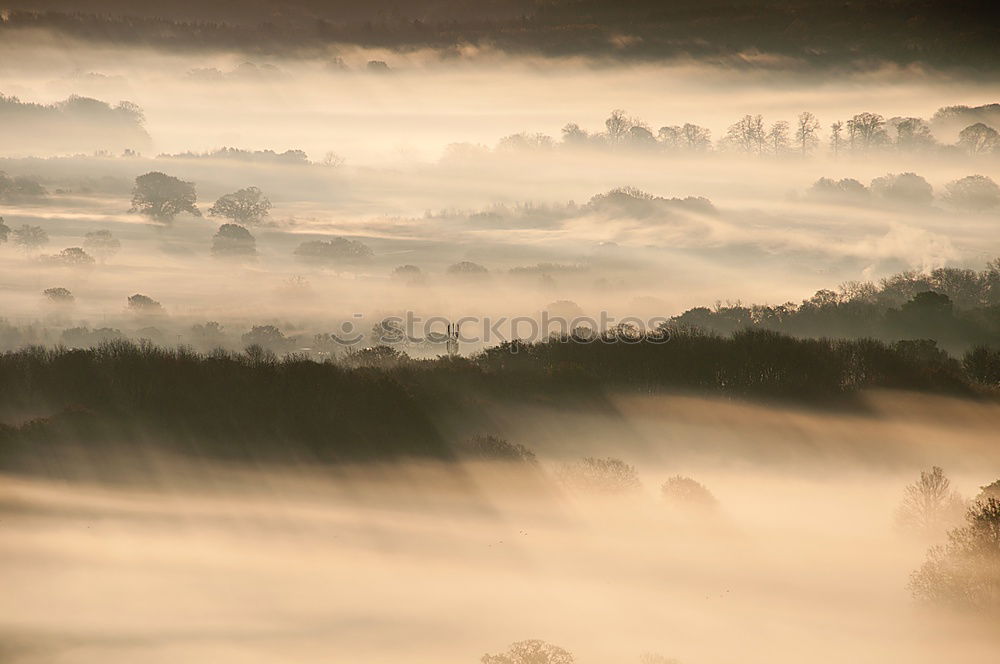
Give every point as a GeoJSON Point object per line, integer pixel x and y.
{"type": "Point", "coordinates": [162, 197]}
{"type": "Point", "coordinates": [861, 134]}
{"type": "Point", "coordinates": [972, 192]}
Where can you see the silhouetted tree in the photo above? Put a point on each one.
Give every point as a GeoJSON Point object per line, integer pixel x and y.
{"type": "Point", "coordinates": [973, 192]}
{"type": "Point", "coordinates": [617, 126]}
{"type": "Point", "coordinates": [162, 197]}
{"type": "Point", "coordinates": [495, 448]}
{"type": "Point", "coordinates": [929, 504]}
{"type": "Point", "coordinates": [983, 365]}
{"type": "Point", "coordinates": [268, 337]}
{"type": "Point", "coordinates": [339, 250]}
{"type": "Point", "coordinates": [58, 295]}
{"type": "Point", "coordinates": [410, 274]}
{"type": "Point", "coordinates": [748, 135]}
{"type": "Point", "coordinates": [102, 244]}
{"type": "Point", "coordinates": [777, 138]}
{"type": "Point", "coordinates": [233, 241]}
{"type": "Point", "coordinates": [533, 651]}
{"type": "Point", "coordinates": [143, 304]}
{"type": "Point", "coordinates": [846, 190]}
{"type": "Point", "coordinates": [805, 133]}
{"type": "Point", "coordinates": [71, 256]}
{"type": "Point", "coordinates": [979, 139]}
{"type": "Point", "coordinates": [866, 131]}
{"type": "Point", "coordinates": [609, 475]}
{"type": "Point", "coordinates": [4, 231]}
{"type": "Point", "coordinates": [467, 268]}
{"type": "Point", "coordinates": [837, 137]}
{"type": "Point", "coordinates": [525, 142]}
{"type": "Point", "coordinates": [912, 134]}
{"type": "Point", "coordinates": [30, 238]}
{"type": "Point", "coordinates": [245, 206]}
{"type": "Point", "coordinates": [907, 188]}
{"type": "Point", "coordinates": [573, 136]}
{"type": "Point", "coordinates": [965, 572]}
{"type": "Point", "coordinates": [684, 491]}
{"type": "Point", "coordinates": [20, 188]}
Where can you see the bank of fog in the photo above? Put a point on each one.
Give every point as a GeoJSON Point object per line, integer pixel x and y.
{"type": "Point", "coordinates": [610, 558]}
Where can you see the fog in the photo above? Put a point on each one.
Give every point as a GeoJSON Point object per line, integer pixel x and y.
{"type": "Point", "coordinates": [125, 547]}
{"type": "Point", "coordinates": [801, 561]}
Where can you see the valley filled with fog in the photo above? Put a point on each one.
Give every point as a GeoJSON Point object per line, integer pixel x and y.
{"type": "Point", "coordinates": [412, 353]}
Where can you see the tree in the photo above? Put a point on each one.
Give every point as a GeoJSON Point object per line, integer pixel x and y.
{"type": "Point", "coordinates": [102, 244]}
{"type": "Point", "coordinates": [494, 448]}
{"type": "Point", "coordinates": [912, 134]}
{"type": "Point", "coordinates": [143, 304]}
{"type": "Point", "coordinates": [233, 241]}
{"type": "Point", "coordinates": [71, 256]}
{"type": "Point", "coordinates": [973, 192]}
{"type": "Point", "coordinates": [266, 336]}
{"type": "Point", "coordinates": [866, 131]}
{"type": "Point", "coordinates": [805, 133]}
{"type": "Point", "coordinates": [640, 137]}
{"type": "Point", "coordinates": [335, 251]}
{"type": "Point", "coordinates": [747, 135]}
{"type": "Point", "coordinates": [606, 475]}
{"type": "Point", "coordinates": [695, 138]}
{"type": "Point", "coordinates": [58, 295]}
{"type": "Point", "coordinates": [246, 206]}
{"type": "Point", "coordinates": [573, 136]}
{"type": "Point", "coordinates": [929, 504]}
{"type": "Point", "coordinates": [533, 651]}
{"type": "Point", "coordinates": [846, 190]}
{"type": "Point", "coordinates": [162, 197]}
{"type": "Point", "coordinates": [467, 268]}
{"type": "Point", "coordinates": [686, 492]}
{"type": "Point", "coordinates": [4, 231]}
{"type": "Point", "coordinates": [30, 238]}
{"type": "Point", "coordinates": [777, 138]}
{"type": "Point", "coordinates": [617, 126]}
{"type": "Point", "coordinates": [836, 138]}
{"type": "Point", "coordinates": [964, 573]}
{"type": "Point", "coordinates": [979, 139]}
{"type": "Point", "coordinates": [16, 189]}
{"type": "Point", "coordinates": [907, 188]}
{"type": "Point", "coordinates": [411, 274]}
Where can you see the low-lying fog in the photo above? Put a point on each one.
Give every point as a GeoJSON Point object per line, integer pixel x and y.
{"type": "Point", "coordinates": [393, 182]}
{"type": "Point", "coordinates": [801, 561]}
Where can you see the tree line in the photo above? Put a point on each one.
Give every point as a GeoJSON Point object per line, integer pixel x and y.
{"type": "Point", "coordinates": [862, 134]}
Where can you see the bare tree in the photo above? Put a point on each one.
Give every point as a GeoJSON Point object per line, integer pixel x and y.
{"type": "Point", "coordinates": [912, 134]}
{"type": "Point", "coordinates": [805, 133]}
{"type": "Point", "coordinates": [777, 138]}
{"type": "Point", "coordinates": [929, 504]}
{"type": "Point", "coordinates": [867, 130]}
{"type": "Point", "coordinates": [695, 138]}
{"type": "Point", "coordinates": [836, 137]}
{"type": "Point", "coordinates": [979, 139]}
{"type": "Point", "coordinates": [617, 126]}
{"type": "Point", "coordinates": [747, 135]}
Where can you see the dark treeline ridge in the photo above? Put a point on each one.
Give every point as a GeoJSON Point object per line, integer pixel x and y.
{"type": "Point", "coordinates": [958, 308]}
{"type": "Point", "coordinates": [378, 404]}
{"type": "Point", "coordinates": [955, 33]}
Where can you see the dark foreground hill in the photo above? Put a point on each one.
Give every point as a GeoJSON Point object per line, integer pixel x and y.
{"type": "Point", "coordinates": [381, 405]}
